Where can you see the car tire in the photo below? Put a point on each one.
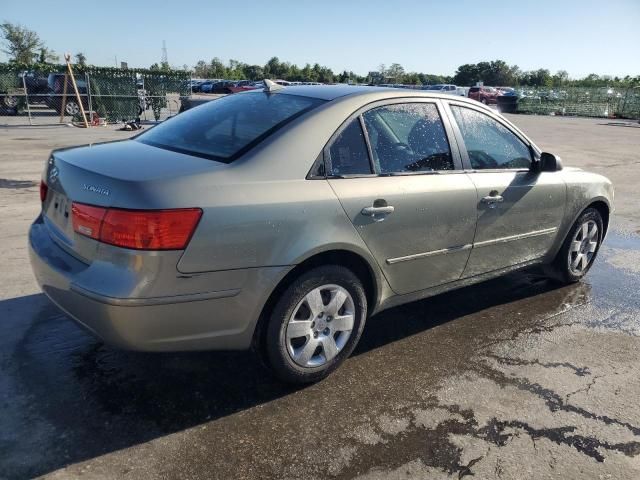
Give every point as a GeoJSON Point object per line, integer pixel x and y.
{"type": "Point", "coordinates": [304, 343]}
{"type": "Point", "coordinates": [484, 100]}
{"type": "Point", "coordinates": [8, 106]}
{"type": "Point", "coordinates": [580, 248]}
{"type": "Point", "coordinates": [71, 108]}
{"type": "Point", "coordinates": [10, 102]}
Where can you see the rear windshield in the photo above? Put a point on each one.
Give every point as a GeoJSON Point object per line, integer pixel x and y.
{"type": "Point", "coordinates": [226, 128]}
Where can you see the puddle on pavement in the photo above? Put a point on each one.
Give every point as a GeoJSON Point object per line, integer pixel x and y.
{"type": "Point", "coordinates": [82, 387]}
{"type": "Point", "coordinates": [16, 184]}
{"type": "Point", "coordinates": [137, 382]}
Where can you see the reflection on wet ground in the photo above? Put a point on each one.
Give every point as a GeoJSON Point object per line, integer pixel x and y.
{"type": "Point", "coordinates": [512, 376]}
{"type": "Point", "coordinates": [16, 184]}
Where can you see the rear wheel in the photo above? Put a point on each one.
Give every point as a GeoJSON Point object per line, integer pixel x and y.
{"type": "Point", "coordinates": [316, 324]}
{"type": "Point", "coordinates": [580, 248]}
{"type": "Point", "coordinates": [71, 108]}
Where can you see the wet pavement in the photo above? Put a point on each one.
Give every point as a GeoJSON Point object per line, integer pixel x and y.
{"type": "Point", "coordinates": [514, 378]}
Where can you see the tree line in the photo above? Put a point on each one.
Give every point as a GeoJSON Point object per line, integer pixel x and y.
{"type": "Point", "coordinates": [24, 46]}
{"type": "Point", "coordinates": [499, 73]}
{"type": "Point", "coordinates": [495, 72]}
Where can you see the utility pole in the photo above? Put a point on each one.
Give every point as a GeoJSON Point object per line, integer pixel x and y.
{"type": "Point", "coordinates": [165, 59]}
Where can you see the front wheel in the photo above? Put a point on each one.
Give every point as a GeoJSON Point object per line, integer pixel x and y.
{"type": "Point", "coordinates": [316, 324]}
{"type": "Point", "coordinates": [10, 102]}
{"type": "Point", "coordinates": [580, 248]}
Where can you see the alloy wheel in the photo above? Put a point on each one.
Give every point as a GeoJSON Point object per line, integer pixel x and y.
{"type": "Point", "coordinates": [10, 101]}
{"type": "Point", "coordinates": [583, 247]}
{"type": "Point", "coordinates": [320, 325]}
{"type": "Point", "coordinates": [72, 108]}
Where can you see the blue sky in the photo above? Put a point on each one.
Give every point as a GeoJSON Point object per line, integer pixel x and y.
{"type": "Point", "coordinates": [581, 37]}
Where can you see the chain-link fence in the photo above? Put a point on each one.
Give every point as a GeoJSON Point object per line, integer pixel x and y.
{"type": "Point", "coordinates": [51, 95]}
{"type": "Point", "coordinates": [580, 101]}
{"type": "Point", "coordinates": [47, 95]}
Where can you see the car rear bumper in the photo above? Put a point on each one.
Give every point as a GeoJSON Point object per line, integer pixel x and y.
{"type": "Point", "coordinates": [213, 319]}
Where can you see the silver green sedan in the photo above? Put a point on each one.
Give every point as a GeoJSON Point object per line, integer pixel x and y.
{"type": "Point", "coordinates": [280, 219]}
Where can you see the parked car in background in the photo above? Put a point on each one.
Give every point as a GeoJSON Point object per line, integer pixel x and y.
{"type": "Point", "coordinates": [68, 105]}
{"type": "Point", "coordinates": [223, 86]}
{"type": "Point", "coordinates": [243, 85]}
{"type": "Point", "coordinates": [194, 85]}
{"type": "Point", "coordinates": [506, 91]}
{"type": "Point", "coordinates": [486, 95]}
{"type": "Point", "coordinates": [207, 85]}
{"type": "Point", "coordinates": [13, 97]}
{"type": "Point", "coordinates": [164, 242]}
{"type": "Point", "coordinates": [10, 102]}
{"type": "Point", "coordinates": [37, 86]}
{"type": "Point", "coordinates": [445, 88]}
{"type": "Point", "coordinates": [507, 100]}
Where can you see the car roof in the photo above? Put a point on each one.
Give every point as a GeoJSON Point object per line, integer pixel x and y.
{"type": "Point", "coordinates": [372, 94]}
{"type": "Point", "coordinates": [332, 92]}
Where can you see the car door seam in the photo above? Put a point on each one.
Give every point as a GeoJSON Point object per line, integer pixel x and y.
{"type": "Point", "coordinates": [344, 210]}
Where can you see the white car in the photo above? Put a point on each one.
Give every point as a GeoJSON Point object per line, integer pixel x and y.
{"type": "Point", "coordinates": [445, 88]}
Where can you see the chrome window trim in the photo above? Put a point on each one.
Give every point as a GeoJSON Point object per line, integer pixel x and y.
{"type": "Point", "coordinates": [533, 148]}
{"type": "Point", "coordinates": [458, 163]}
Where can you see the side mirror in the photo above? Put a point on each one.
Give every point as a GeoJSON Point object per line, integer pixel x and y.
{"type": "Point", "coordinates": [549, 162]}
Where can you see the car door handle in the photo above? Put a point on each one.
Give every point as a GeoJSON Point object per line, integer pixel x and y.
{"type": "Point", "coordinates": [371, 211]}
{"type": "Point", "coordinates": [493, 199]}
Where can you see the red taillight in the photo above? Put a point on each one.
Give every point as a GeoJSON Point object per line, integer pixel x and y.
{"type": "Point", "coordinates": [43, 191]}
{"type": "Point", "coordinates": [137, 229]}
{"type": "Point", "coordinates": [150, 230]}
{"type": "Point", "coordinates": [87, 220]}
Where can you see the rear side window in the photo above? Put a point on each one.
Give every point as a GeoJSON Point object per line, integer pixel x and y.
{"type": "Point", "coordinates": [408, 137]}
{"type": "Point", "coordinates": [224, 129]}
{"type": "Point", "coordinates": [348, 153]}
{"type": "Point", "coordinates": [489, 144]}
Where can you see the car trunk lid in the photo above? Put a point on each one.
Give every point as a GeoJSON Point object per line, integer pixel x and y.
{"type": "Point", "coordinates": [126, 174]}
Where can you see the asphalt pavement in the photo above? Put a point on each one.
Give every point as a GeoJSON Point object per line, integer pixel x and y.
{"type": "Point", "coordinates": [513, 378]}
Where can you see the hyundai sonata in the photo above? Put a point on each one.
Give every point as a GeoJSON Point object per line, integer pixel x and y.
{"type": "Point", "coordinates": [281, 218]}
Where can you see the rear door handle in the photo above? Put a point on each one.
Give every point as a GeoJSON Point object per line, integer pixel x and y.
{"type": "Point", "coordinates": [493, 197]}
{"type": "Point", "coordinates": [371, 211]}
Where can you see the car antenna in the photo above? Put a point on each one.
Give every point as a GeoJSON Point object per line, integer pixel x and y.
{"type": "Point", "coordinates": [270, 86]}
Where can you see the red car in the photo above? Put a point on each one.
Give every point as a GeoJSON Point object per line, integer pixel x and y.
{"type": "Point", "coordinates": [241, 86]}
{"type": "Point", "coordinates": [486, 95]}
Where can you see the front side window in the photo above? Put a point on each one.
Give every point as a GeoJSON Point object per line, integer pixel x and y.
{"type": "Point", "coordinates": [489, 144]}
{"type": "Point", "coordinates": [225, 128]}
{"type": "Point", "coordinates": [348, 153]}
{"type": "Point", "coordinates": [408, 137]}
